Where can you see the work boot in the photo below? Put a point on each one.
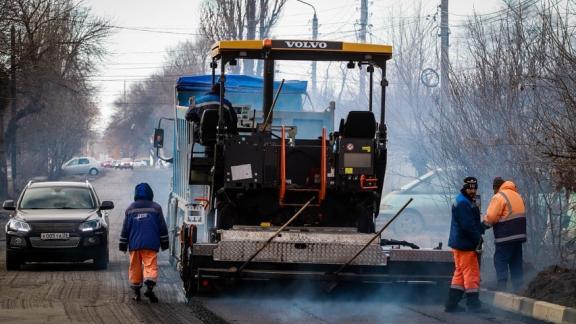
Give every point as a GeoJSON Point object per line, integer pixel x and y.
{"type": "Point", "coordinates": [149, 293]}
{"type": "Point", "coordinates": [136, 295]}
{"type": "Point", "coordinates": [454, 297]}
{"type": "Point", "coordinates": [473, 303]}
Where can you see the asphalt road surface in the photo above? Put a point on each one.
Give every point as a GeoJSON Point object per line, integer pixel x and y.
{"type": "Point", "coordinates": [75, 293]}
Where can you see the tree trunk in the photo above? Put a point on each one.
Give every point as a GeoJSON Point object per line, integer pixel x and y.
{"type": "Point", "coordinates": [3, 169]}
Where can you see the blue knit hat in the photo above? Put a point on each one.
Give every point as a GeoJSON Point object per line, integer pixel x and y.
{"type": "Point", "coordinates": [143, 192]}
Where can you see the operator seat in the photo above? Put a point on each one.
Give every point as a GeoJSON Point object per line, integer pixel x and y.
{"type": "Point", "coordinates": [208, 123]}
{"type": "Point", "coordinates": [358, 124]}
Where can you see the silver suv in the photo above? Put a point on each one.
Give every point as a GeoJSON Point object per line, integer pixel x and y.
{"type": "Point", "coordinates": [57, 221]}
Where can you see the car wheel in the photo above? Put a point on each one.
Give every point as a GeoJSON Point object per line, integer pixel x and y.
{"type": "Point", "coordinates": [410, 222]}
{"type": "Point", "coordinates": [12, 262]}
{"type": "Point", "coordinates": [93, 171]}
{"type": "Point", "coordinates": [101, 262]}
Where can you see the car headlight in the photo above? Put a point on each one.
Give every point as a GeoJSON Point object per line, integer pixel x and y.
{"type": "Point", "coordinates": [18, 226]}
{"type": "Point", "coordinates": [90, 225]}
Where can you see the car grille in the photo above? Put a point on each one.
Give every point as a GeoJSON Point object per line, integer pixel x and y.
{"type": "Point", "coordinates": [69, 243]}
{"type": "Point", "coordinates": [54, 227]}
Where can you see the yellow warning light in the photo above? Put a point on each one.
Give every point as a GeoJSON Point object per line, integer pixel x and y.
{"type": "Point", "coordinates": [265, 224]}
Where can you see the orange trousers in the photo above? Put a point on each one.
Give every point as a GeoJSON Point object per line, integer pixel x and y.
{"type": "Point", "coordinates": [143, 266]}
{"type": "Point", "coordinates": [467, 271]}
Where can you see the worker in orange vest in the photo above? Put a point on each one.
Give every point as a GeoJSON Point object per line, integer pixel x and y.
{"type": "Point", "coordinates": [506, 213]}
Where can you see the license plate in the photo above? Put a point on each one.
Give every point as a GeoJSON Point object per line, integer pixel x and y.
{"type": "Point", "coordinates": [54, 236]}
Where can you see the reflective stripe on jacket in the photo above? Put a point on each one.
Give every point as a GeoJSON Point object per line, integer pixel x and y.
{"type": "Point", "coordinates": [506, 212]}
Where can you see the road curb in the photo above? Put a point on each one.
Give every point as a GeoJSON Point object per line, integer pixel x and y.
{"type": "Point", "coordinates": [531, 307]}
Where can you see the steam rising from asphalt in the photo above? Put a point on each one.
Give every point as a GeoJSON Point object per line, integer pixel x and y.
{"type": "Point", "coordinates": [307, 302]}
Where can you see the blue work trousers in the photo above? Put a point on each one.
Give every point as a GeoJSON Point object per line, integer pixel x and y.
{"type": "Point", "coordinates": [509, 256]}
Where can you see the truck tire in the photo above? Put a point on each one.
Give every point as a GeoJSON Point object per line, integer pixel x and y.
{"type": "Point", "coordinates": [12, 262]}
{"type": "Point", "coordinates": [93, 171]}
{"type": "Point", "coordinates": [188, 272]}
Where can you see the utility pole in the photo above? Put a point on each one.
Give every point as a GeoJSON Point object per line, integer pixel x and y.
{"type": "Point", "coordinates": [444, 59]}
{"type": "Point", "coordinates": [262, 32]}
{"type": "Point", "coordinates": [314, 37]}
{"type": "Point", "coordinates": [362, 37]}
{"type": "Point", "coordinates": [248, 65]}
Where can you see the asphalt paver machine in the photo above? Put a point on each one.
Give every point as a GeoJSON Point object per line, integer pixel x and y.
{"type": "Point", "coordinates": [256, 201]}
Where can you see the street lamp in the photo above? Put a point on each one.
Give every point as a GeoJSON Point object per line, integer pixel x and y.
{"type": "Point", "coordinates": [314, 37]}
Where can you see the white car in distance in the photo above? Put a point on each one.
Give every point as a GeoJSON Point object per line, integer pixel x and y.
{"type": "Point", "coordinates": [81, 165]}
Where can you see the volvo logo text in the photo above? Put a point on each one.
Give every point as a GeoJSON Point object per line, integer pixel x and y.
{"type": "Point", "coordinates": [305, 44]}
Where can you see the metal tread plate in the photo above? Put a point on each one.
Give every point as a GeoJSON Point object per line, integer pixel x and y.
{"type": "Point", "coordinates": [296, 252]}
{"type": "Point", "coordinates": [299, 245]}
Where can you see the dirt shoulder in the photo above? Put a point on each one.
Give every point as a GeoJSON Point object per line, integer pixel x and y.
{"type": "Point", "coordinates": [554, 284]}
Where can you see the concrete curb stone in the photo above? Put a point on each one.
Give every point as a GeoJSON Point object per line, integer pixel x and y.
{"type": "Point", "coordinates": [530, 307]}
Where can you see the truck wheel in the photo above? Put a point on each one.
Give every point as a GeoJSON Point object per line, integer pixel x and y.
{"type": "Point", "coordinates": [93, 171]}
{"type": "Point", "coordinates": [188, 273]}
{"type": "Point", "coordinates": [101, 262]}
{"type": "Point", "coordinates": [12, 262]}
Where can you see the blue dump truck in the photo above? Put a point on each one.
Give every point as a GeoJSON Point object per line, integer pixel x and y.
{"type": "Point", "coordinates": [284, 194]}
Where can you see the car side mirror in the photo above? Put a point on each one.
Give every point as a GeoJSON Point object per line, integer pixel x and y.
{"type": "Point", "coordinates": [106, 205]}
{"type": "Point", "coordinates": [9, 205]}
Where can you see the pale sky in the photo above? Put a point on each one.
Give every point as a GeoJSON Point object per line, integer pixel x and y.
{"type": "Point", "coordinates": [148, 27]}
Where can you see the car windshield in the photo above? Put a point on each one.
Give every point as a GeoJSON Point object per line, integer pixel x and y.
{"type": "Point", "coordinates": [57, 198]}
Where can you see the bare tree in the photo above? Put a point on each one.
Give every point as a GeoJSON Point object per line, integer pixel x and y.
{"type": "Point", "coordinates": [237, 19]}
{"type": "Point", "coordinates": [410, 101]}
{"type": "Point", "coordinates": [58, 44]}
{"type": "Point", "coordinates": [507, 99]}
{"type": "Point", "coordinates": [135, 118]}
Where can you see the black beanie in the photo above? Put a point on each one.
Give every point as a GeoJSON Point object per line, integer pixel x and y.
{"type": "Point", "coordinates": [497, 183]}
{"type": "Point", "coordinates": [470, 183]}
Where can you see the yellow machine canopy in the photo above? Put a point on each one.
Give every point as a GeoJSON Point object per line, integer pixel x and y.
{"type": "Point", "coordinates": [305, 50]}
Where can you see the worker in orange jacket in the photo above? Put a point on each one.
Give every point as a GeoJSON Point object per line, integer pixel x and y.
{"type": "Point", "coordinates": [465, 240]}
{"type": "Point", "coordinates": [506, 213]}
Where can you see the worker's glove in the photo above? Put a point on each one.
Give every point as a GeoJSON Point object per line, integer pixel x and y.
{"type": "Point", "coordinates": [486, 225]}
{"type": "Point", "coordinates": [480, 246]}
{"type": "Point", "coordinates": [479, 249]}
{"type": "Point", "coordinates": [123, 247]}
{"type": "Point", "coordinates": [164, 245]}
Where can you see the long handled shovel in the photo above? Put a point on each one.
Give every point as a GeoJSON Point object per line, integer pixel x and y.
{"type": "Point", "coordinates": [334, 274]}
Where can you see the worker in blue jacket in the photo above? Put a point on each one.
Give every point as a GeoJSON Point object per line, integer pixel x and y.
{"type": "Point", "coordinates": [466, 232]}
{"type": "Point", "coordinates": [144, 232]}
{"type": "Point", "coordinates": [211, 100]}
